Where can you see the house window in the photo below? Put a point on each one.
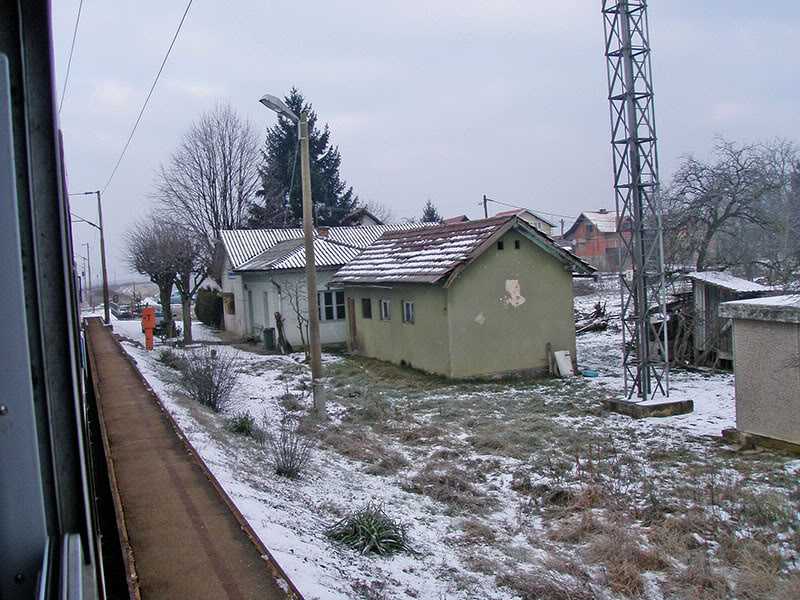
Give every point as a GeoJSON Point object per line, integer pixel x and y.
{"type": "Point", "coordinates": [331, 305]}
{"type": "Point", "coordinates": [516, 244]}
{"type": "Point", "coordinates": [366, 308]}
{"type": "Point", "coordinates": [386, 310]}
{"type": "Point", "coordinates": [589, 228]}
{"type": "Point", "coordinates": [408, 311]}
{"type": "Point", "coordinates": [500, 245]}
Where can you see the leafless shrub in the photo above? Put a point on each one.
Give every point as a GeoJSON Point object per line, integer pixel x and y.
{"type": "Point", "coordinates": [291, 402]}
{"type": "Point", "coordinates": [210, 376]}
{"type": "Point", "coordinates": [289, 449]}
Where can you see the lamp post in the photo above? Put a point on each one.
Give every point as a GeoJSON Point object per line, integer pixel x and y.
{"type": "Point", "coordinates": [276, 104]}
{"type": "Point", "coordinates": [102, 252]}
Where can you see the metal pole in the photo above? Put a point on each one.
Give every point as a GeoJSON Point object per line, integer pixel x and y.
{"type": "Point", "coordinates": [89, 262]}
{"type": "Point", "coordinates": [485, 209]}
{"type": "Point", "coordinates": [103, 259]}
{"type": "Point", "coordinates": [311, 278]}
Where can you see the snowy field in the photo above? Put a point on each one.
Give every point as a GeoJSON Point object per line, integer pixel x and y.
{"type": "Point", "coordinates": [517, 489]}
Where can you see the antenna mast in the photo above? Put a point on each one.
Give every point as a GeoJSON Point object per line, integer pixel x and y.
{"type": "Point", "coordinates": [633, 143]}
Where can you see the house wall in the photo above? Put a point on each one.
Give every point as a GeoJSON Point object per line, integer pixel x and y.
{"type": "Point", "coordinates": [232, 284]}
{"type": "Point", "coordinates": [767, 370]}
{"type": "Point", "coordinates": [598, 248]}
{"type": "Point", "coordinates": [269, 298]}
{"type": "Point", "coordinates": [506, 306]}
{"type": "Point", "coordinates": [422, 344]}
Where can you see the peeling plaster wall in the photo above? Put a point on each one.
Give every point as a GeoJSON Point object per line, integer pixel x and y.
{"type": "Point", "coordinates": [506, 306]}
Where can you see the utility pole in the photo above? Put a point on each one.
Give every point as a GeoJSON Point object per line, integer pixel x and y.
{"type": "Point", "coordinates": [89, 261]}
{"type": "Point", "coordinates": [318, 387]}
{"type": "Point", "coordinates": [102, 250]}
{"type": "Point", "coordinates": [485, 208]}
{"type": "Point", "coordinates": [311, 277]}
{"type": "Point", "coordinates": [103, 260]}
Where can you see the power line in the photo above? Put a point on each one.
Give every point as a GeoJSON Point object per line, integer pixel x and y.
{"type": "Point", "coordinates": [69, 62]}
{"type": "Point", "coordinates": [144, 106]}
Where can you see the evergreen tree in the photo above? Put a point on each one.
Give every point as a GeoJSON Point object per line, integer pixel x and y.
{"type": "Point", "coordinates": [430, 214]}
{"type": "Point", "coordinates": [331, 196]}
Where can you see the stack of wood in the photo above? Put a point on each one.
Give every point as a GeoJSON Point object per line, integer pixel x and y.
{"type": "Point", "coordinates": [596, 320]}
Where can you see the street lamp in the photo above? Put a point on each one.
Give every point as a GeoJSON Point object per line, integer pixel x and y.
{"type": "Point", "coordinates": [102, 252]}
{"type": "Point", "coordinates": [279, 106]}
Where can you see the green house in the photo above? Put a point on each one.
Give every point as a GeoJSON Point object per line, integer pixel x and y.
{"type": "Point", "coordinates": [478, 298]}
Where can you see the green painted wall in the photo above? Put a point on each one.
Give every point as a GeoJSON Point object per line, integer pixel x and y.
{"type": "Point", "coordinates": [423, 344]}
{"type": "Point", "coordinates": [506, 306]}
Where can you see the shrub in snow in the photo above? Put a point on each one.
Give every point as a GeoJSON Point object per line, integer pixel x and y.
{"type": "Point", "coordinates": [243, 423]}
{"type": "Point", "coordinates": [371, 530]}
{"type": "Point", "coordinates": [210, 376]}
{"type": "Point", "coordinates": [168, 358]}
{"type": "Point", "coordinates": [289, 449]}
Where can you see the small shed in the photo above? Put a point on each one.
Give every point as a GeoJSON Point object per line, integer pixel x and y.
{"type": "Point", "coordinates": [712, 332]}
{"type": "Point", "coordinates": [766, 350]}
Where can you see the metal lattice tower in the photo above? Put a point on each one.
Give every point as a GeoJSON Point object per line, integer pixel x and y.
{"type": "Point", "coordinates": [633, 140]}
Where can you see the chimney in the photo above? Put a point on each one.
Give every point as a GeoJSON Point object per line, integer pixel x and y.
{"type": "Point", "coordinates": [322, 232]}
{"type": "Point", "coordinates": [603, 211]}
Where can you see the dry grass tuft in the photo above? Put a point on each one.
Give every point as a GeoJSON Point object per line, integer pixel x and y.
{"type": "Point", "coordinates": [449, 484]}
{"type": "Point", "coordinates": [543, 584]}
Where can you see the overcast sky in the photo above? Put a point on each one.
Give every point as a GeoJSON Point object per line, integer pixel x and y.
{"type": "Point", "coordinates": [445, 100]}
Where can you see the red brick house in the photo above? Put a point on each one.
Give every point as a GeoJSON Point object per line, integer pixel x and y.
{"type": "Point", "coordinates": [595, 238]}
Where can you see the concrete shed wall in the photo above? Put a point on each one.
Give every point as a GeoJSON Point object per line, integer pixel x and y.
{"type": "Point", "coordinates": [506, 306]}
{"type": "Point", "coordinates": [767, 368]}
{"type": "Point", "coordinates": [422, 344]}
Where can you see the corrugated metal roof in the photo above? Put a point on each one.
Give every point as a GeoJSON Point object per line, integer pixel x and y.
{"type": "Point", "coordinates": [244, 246]}
{"type": "Point", "coordinates": [728, 281]}
{"type": "Point", "coordinates": [429, 255]}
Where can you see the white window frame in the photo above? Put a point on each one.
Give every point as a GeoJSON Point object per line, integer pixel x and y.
{"type": "Point", "coordinates": [408, 312]}
{"type": "Point", "coordinates": [386, 309]}
{"type": "Point", "coordinates": [338, 308]}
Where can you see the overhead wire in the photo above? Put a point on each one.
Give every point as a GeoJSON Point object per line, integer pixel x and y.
{"type": "Point", "coordinates": [150, 93]}
{"type": "Point", "coordinates": [69, 61]}
{"type": "Point", "coordinates": [525, 208]}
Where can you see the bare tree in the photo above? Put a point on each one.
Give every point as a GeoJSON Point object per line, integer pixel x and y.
{"type": "Point", "coordinates": [211, 178]}
{"type": "Point", "coordinates": [298, 299]}
{"type": "Point", "coordinates": [381, 211]}
{"type": "Point", "coordinates": [709, 202]}
{"type": "Point", "coordinates": [191, 258]}
{"type": "Point", "coordinates": [149, 252]}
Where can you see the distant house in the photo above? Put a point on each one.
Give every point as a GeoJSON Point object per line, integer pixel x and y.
{"type": "Point", "coordinates": [477, 298]}
{"type": "Point", "coordinates": [596, 237]}
{"type": "Point", "coordinates": [531, 218]}
{"type": "Point", "coordinates": [458, 219]}
{"type": "Point", "coordinates": [712, 332]}
{"type": "Point", "coordinates": [361, 217]}
{"type": "Point", "coordinates": [263, 272]}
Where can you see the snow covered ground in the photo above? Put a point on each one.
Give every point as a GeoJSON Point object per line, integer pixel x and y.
{"type": "Point", "coordinates": [509, 489]}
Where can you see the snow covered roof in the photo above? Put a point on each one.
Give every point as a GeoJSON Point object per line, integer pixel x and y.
{"type": "Point", "coordinates": [431, 254]}
{"type": "Point", "coordinates": [784, 309]}
{"type": "Point", "coordinates": [604, 220]}
{"type": "Point", "coordinates": [727, 281]}
{"type": "Point", "coordinates": [520, 211]}
{"type": "Point", "coordinates": [283, 248]}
